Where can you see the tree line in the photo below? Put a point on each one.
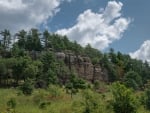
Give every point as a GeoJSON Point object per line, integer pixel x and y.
{"type": "Point", "coordinates": [31, 55]}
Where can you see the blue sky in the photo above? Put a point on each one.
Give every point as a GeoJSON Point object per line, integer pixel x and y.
{"type": "Point", "coordinates": [120, 24]}
{"type": "Point", "coordinates": [137, 32]}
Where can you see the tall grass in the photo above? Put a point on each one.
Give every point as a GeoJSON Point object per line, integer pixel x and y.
{"type": "Point", "coordinates": [54, 100]}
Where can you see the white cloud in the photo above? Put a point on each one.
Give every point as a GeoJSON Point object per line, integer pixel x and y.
{"type": "Point", "coordinates": [98, 29]}
{"type": "Point", "coordinates": [25, 14]}
{"type": "Point", "coordinates": [143, 53]}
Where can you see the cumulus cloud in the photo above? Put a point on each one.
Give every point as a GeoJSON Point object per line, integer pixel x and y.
{"type": "Point", "coordinates": [25, 14]}
{"type": "Point", "coordinates": [98, 29]}
{"type": "Point", "coordinates": [143, 53]}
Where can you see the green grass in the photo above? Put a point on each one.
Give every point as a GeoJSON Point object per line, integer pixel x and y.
{"type": "Point", "coordinates": [53, 100]}
{"type": "Point", "coordinates": [31, 104]}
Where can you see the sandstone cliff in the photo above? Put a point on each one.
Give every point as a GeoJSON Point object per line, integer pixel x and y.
{"type": "Point", "coordinates": [83, 66]}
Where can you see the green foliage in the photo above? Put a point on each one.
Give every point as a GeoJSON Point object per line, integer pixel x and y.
{"type": "Point", "coordinates": [5, 39]}
{"type": "Point", "coordinates": [30, 71]}
{"type": "Point", "coordinates": [123, 100]}
{"type": "Point", "coordinates": [133, 80]}
{"type": "Point", "coordinates": [147, 99]}
{"type": "Point", "coordinates": [33, 56]}
{"type": "Point", "coordinates": [46, 39]}
{"type": "Point", "coordinates": [3, 69]}
{"type": "Point", "coordinates": [48, 60]}
{"type": "Point", "coordinates": [43, 105]}
{"type": "Point", "coordinates": [19, 67]}
{"type": "Point", "coordinates": [22, 35]}
{"type": "Point", "coordinates": [92, 52]}
{"type": "Point", "coordinates": [75, 84]}
{"type": "Point", "coordinates": [33, 41]}
{"type": "Point", "coordinates": [11, 103]}
{"type": "Point", "coordinates": [16, 51]}
{"type": "Point", "coordinates": [96, 84]}
{"type": "Point", "coordinates": [27, 87]}
{"type": "Point", "coordinates": [30, 60]}
{"type": "Point", "coordinates": [112, 56]}
{"type": "Point", "coordinates": [54, 90]}
{"type": "Point", "coordinates": [51, 77]}
{"type": "Point", "coordinates": [110, 67]}
{"type": "Point", "coordinates": [91, 102]}
{"type": "Point", "coordinates": [61, 104]}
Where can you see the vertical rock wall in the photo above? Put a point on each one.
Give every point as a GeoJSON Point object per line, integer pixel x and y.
{"type": "Point", "coordinates": [83, 67]}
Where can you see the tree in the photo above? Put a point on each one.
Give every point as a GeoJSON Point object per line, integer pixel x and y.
{"type": "Point", "coordinates": [92, 52]}
{"type": "Point", "coordinates": [75, 84]}
{"type": "Point", "coordinates": [6, 70]}
{"type": "Point", "coordinates": [30, 71]}
{"type": "Point", "coordinates": [45, 38]}
{"type": "Point", "coordinates": [110, 67]}
{"type": "Point", "coordinates": [51, 77]}
{"type": "Point", "coordinates": [48, 59]}
{"type": "Point", "coordinates": [57, 42]}
{"type": "Point", "coordinates": [123, 99]}
{"type": "Point", "coordinates": [18, 68]}
{"type": "Point", "coordinates": [17, 51]}
{"type": "Point", "coordinates": [147, 98]}
{"type": "Point", "coordinates": [112, 72]}
{"type": "Point", "coordinates": [6, 38]}
{"type": "Point", "coordinates": [112, 56]}
{"type": "Point", "coordinates": [77, 48]}
{"type": "Point", "coordinates": [133, 80]}
{"type": "Point", "coordinates": [33, 42]}
{"type": "Point", "coordinates": [22, 38]}
{"type": "Point", "coordinates": [3, 70]}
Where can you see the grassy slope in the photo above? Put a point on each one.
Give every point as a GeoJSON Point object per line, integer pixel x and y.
{"type": "Point", "coordinates": [56, 102]}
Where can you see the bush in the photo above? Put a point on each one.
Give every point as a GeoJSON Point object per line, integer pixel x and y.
{"type": "Point", "coordinates": [27, 88]}
{"type": "Point", "coordinates": [40, 84]}
{"type": "Point", "coordinates": [54, 91]}
{"type": "Point", "coordinates": [11, 103]}
{"type": "Point", "coordinates": [92, 102]}
{"type": "Point", "coordinates": [96, 85]}
{"type": "Point", "coordinates": [123, 101]}
{"type": "Point", "coordinates": [44, 104]}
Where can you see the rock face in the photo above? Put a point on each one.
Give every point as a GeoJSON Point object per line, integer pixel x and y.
{"type": "Point", "coordinates": [83, 66]}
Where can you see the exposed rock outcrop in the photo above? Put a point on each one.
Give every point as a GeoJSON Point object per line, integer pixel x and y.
{"type": "Point", "coordinates": [83, 66]}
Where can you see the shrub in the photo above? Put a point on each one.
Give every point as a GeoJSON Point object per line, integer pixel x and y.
{"type": "Point", "coordinates": [42, 105]}
{"type": "Point", "coordinates": [92, 102]}
{"type": "Point", "coordinates": [54, 91]}
{"type": "Point", "coordinates": [27, 88]}
{"type": "Point", "coordinates": [11, 103]}
{"type": "Point", "coordinates": [40, 84]}
{"type": "Point", "coordinates": [96, 85]}
{"type": "Point", "coordinates": [123, 101]}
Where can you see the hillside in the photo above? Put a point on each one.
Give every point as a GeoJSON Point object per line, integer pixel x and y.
{"type": "Point", "coordinates": [35, 60]}
{"type": "Point", "coordinates": [43, 55]}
